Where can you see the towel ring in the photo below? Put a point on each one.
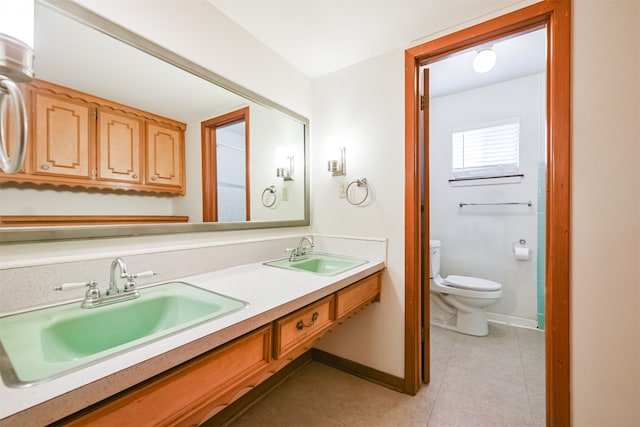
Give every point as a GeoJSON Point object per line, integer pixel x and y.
{"type": "Point", "coordinates": [361, 182]}
{"type": "Point", "coordinates": [14, 163]}
{"type": "Point", "coordinates": [272, 190]}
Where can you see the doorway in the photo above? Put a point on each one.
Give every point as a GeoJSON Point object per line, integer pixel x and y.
{"type": "Point", "coordinates": [555, 16]}
{"type": "Point", "coordinates": [486, 178]}
{"type": "Point", "coordinates": [225, 167]}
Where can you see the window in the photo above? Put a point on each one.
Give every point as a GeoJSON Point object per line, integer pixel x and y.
{"type": "Point", "coordinates": [486, 152]}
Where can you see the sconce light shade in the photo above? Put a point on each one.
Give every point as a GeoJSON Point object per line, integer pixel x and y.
{"type": "Point", "coordinates": [286, 173]}
{"type": "Point", "coordinates": [16, 40]}
{"type": "Point", "coordinates": [485, 60]}
{"type": "Point", "coordinates": [338, 167]}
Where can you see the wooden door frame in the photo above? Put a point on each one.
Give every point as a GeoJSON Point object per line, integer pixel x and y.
{"type": "Point", "coordinates": [556, 16]}
{"type": "Point", "coordinates": [209, 174]}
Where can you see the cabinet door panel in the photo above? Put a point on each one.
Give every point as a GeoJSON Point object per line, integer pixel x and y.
{"type": "Point", "coordinates": [62, 137]}
{"type": "Point", "coordinates": [358, 295]}
{"type": "Point", "coordinates": [165, 156]}
{"type": "Point", "coordinates": [188, 391]}
{"type": "Point", "coordinates": [119, 146]}
{"type": "Point", "coordinates": [303, 326]}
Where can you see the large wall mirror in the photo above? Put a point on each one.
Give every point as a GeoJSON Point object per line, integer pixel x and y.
{"type": "Point", "coordinates": [78, 49]}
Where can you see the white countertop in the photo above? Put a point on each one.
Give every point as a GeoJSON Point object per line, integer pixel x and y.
{"type": "Point", "coordinates": [271, 293]}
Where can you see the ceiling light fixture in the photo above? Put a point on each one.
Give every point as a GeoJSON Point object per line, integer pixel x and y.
{"type": "Point", "coordinates": [485, 60]}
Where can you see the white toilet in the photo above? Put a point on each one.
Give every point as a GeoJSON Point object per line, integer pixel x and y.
{"type": "Point", "coordinates": [458, 302]}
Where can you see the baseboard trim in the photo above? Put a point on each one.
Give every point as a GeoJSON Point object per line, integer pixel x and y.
{"type": "Point", "coordinates": [362, 371]}
{"type": "Point", "coordinates": [512, 320]}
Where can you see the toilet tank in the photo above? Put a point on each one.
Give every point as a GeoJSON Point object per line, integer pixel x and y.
{"type": "Point", "coordinates": [434, 257]}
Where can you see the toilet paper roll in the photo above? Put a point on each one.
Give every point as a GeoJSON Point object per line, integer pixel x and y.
{"type": "Point", "coordinates": [522, 254]}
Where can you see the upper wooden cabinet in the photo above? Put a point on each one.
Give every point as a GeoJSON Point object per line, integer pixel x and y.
{"type": "Point", "coordinates": [165, 156]}
{"type": "Point", "coordinates": [62, 136]}
{"type": "Point", "coordinates": [79, 140]}
{"type": "Point", "coordinates": [120, 146]}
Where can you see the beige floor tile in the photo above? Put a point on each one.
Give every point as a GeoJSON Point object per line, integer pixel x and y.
{"type": "Point", "coordinates": [497, 380]}
{"type": "Point", "coordinates": [485, 397]}
{"type": "Point", "coordinates": [534, 374]}
{"type": "Point", "coordinates": [282, 417]}
{"type": "Point", "coordinates": [437, 372]}
{"type": "Point", "coordinates": [489, 363]}
{"type": "Point", "coordinates": [320, 395]}
{"type": "Point", "coordinates": [441, 343]}
{"type": "Point", "coordinates": [452, 416]}
{"type": "Point", "coordinates": [537, 404]}
{"type": "Point", "coordinates": [531, 343]}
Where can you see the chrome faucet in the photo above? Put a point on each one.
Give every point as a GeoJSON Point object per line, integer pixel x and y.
{"type": "Point", "coordinates": [302, 249]}
{"type": "Point", "coordinates": [113, 285]}
{"type": "Point", "coordinates": [94, 298]}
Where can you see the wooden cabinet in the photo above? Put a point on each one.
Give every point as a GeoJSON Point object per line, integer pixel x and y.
{"type": "Point", "coordinates": [189, 393]}
{"type": "Point", "coordinates": [301, 328]}
{"type": "Point", "coordinates": [79, 140]}
{"type": "Point", "coordinates": [120, 146]}
{"type": "Point", "coordinates": [62, 137]}
{"type": "Point", "coordinates": [358, 295]}
{"type": "Point", "coordinates": [165, 156]}
{"type": "Point", "coordinates": [193, 392]}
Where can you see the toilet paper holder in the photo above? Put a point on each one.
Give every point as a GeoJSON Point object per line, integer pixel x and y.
{"type": "Point", "coordinates": [520, 244]}
{"type": "Point", "coordinates": [520, 250]}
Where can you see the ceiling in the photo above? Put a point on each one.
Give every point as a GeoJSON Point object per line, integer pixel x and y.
{"type": "Point", "coordinates": [519, 56]}
{"type": "Point", "coordinates": [319, 37]}
{"type": "Point", "coordinates": [322, 36]}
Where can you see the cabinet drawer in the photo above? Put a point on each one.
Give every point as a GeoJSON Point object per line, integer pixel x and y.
{"type": "Point", "coordinates": [189, 391]}
{"type": "Point", "coordinates": [356, 295]}
{"type": "Point", "coordinates": [302, 326]}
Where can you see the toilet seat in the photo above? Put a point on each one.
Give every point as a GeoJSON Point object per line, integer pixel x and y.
{"type": "Point", "coordinates": [472, 283]}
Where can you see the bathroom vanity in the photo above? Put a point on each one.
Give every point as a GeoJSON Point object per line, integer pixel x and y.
{"type": "Point", "coordinates": [188, 377]}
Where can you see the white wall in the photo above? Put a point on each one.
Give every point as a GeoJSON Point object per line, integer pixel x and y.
{"type": "Point", "coordinates": [605, 265]}
{"type": "Point", "coordinates": [362, 106]}
{"type": "Point", "coordinates": [269, 130]}
{"type": "Point", "coordinates": [274, 137]}
{"type": "Point", "coordinates": [199, 32]}
{"type": "Point", "coordinates": [365, 104]}
{"type": "Point", "coordinates": [477, 240]}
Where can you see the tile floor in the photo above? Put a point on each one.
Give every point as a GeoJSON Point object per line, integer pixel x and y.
{"type": "Point", "coordinates": [497, 380]}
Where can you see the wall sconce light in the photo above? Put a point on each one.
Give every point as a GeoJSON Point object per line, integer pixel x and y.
{"type": "Point", "coordinates": [286, 173]}
{"type": "Point", "coordinates": [338, 167]}
{"type": "Point", "coordinates": [16, 64]}
{"type": "Point", "coordinates": [485, 60]}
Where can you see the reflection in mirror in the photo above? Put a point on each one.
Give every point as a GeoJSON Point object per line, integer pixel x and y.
{"type": "Point", "coordinates": [79, 54]}
{"type": "Point", "coordinates": [229, 198]}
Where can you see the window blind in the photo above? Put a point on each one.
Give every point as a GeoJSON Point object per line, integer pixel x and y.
{"type": "Point", "coordinates": [487, 151]}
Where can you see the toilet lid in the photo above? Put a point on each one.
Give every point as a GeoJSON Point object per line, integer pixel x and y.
{"type": "Point", "coordinates": [472, 283]}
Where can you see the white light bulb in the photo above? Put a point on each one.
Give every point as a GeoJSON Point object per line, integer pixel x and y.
{"type": "Point", "coordinates": [484, 60]}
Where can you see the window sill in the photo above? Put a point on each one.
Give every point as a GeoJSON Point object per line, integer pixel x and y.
{"type": "Point", "coordinates": [486, 180]}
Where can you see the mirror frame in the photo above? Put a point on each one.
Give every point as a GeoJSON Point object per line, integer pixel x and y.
{"type": "Point", "coordinates": [97, 22]}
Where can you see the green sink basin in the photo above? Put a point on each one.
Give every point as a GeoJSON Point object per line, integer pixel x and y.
{"type": "Point", "coordinates": [42, 344]}
{"type": "Point", "coordinates": [319, 263]}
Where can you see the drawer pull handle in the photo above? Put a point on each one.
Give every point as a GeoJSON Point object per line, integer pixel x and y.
{"type": "Point", "coordinates": [300, 325]}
